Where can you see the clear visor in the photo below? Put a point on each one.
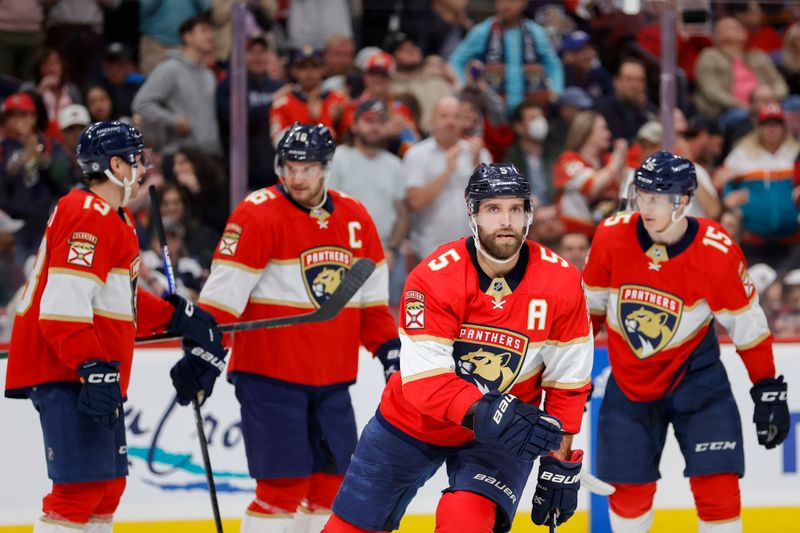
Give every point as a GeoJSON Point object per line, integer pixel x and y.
{"type": "Point", "coordinates": [295, 170]}
{"type": "Point", "coordinates": [639, 199]}
{"type": "Point", "coordinates": [494, 216]}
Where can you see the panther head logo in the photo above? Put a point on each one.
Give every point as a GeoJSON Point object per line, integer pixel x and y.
{"type": "Point", "coordinates": [326, 281]}
{"type": "Point", "coordinates": [649, 327]}
{"type": "Point", "coordinates": [491, 367]}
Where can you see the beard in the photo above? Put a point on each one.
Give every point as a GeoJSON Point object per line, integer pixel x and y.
{"type": "Point", "coordinates": [500, 249]}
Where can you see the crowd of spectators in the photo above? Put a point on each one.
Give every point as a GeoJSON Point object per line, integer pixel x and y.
{"type": "Point", "coordinates": [417, 94]}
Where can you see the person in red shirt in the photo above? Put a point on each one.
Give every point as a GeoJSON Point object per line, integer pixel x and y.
{"type": "Point", "coordinates": [72, 342]}
{"type": "Point", "coordinates": [489, 325]}
{"type": "Point", "coordinates": [305, 101]}
{"type": "Point", "coordinates": [658, 279]}
{"type": "Point", "coordinates": [284, 251]}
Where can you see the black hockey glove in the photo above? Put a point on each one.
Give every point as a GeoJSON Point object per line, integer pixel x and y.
{"type": "Point", "coordinates": [771, 414]}
{"type": "Point", "coordinates": [524, 430]}
{"type": "Point", "coordinates": [100, 396]}
{"type": "Point", "coordinates": [193, 322]}
{"type": "Point", "coordinates": [193, 376]}
{"type": "Point", "coordinates": [389, 356]}
{"type": "Point", "coordinates": [557, 489]}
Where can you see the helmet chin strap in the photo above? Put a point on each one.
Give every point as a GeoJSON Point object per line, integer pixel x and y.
{"type": "Point", "coordinates": [675, 219]}
{"type": "Point", "coordinates": [127, 185]}
{"type": "Point", "coordinates": [473, 226]}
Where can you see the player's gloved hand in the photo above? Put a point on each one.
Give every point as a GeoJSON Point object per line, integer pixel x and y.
{"type": "Point", "coordinates": [389, 356]}
{"type": "Point", "coordinates": [193, 322]}
{"type": "Point", "coordinates": [771, 414]}
{"type": "Point", "coordinates": [521, 428]}
{"type": "Point", "coordinates": [100, 396]}
{"type": "Point", "coordinates": [193, 376]}
{"type": "Point", "coordinates": [557, 489]}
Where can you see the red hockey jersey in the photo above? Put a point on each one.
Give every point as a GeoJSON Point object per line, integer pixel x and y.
{"type": "Point", "coordinates": [574, 178]}
{"type": "Point", "coordinates": [658, 302]}
{"type": "Point", "coordinates": [293, 107]}
{"type": "Point", "coordinates": [464, 334]}
{"type": "Point", "coordinates": [81, 301]}
{"type": "Point", "coordinates": [277, 258]}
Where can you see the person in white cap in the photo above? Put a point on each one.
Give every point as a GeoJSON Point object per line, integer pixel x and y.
{"type": "Point", "coordinates": [71, 121]}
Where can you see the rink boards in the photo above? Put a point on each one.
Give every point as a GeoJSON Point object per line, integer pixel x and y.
{"type": "Point", "coordinates": [167, 483]}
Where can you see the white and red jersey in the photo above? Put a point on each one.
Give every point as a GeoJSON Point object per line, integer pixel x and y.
{"type": "Point", "coordinates": [574, 178]}
{"type": "Point", "coordinates": [658, 302]}
{"type": "Point", "coordinates": [81, 301]}
{"type": "Point", "coordinates": [277, 258]}
{"type": "Point", "coordinates": [464, 334]}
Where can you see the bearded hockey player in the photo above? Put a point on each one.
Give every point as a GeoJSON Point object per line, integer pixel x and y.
{"type": "Point", "coordinates": [72, 342]}
{"type": "Point", "coordinates": [489, 324]}
{"type": "Point", "coordinates": [284, 251]}
{"type": "Point", "coordinates": [659, 279]}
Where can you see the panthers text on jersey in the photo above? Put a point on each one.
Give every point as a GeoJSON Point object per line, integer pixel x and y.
{"type": "Point", "coordinates": [659, 301]}
{"type": "Point", "coordinates": [464, 334]}
{"type": "Point", "coordinates": [277, 258]}
{"type": "Point", "coordinates": [81, 300]}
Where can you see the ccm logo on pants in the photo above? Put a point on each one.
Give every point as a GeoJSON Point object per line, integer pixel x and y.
{"type": "Point", "coordinates": [715, 446]}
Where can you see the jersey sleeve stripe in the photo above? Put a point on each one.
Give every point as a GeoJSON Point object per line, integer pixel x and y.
{"type": "Point", "coordinates": [228, 287]}
{"type": "Point", "coordinates": [284, 303]}
{"type": "Point", "coordinates": [421, 357]}
{"type": "Point", "coordinates": [568, 365]}
{"type": "Point", "coordinates": [69, 295]}
{"type": "Point", "coordinates": [283, 282]}
{"type": "Point", "coordinates": [758, 340]}
{"type": "Point", "coordinates": [425, 338]}
{"type": "Point", "coordinates": [65, 318]}
{"type": "Point", "coordinates": [535, 371]}
{"type": "Point", "coordinates": [560, 344]}
{"type": "Point", "coordinates": [423, 375]}
{"type": "Point", "coordinates": [746, 327]}
{"type": "Point", "coordinates": [378, 303]}
{"type": "Point", "coordinates": [113, 316]}
{"type": "Point", "coordinates": [567, 386]}
{"type": "Point", "coordinates": [240, 266]}
{"type": "Point", "coordinates": [114, 298]}
{"type": "Point", "coordinates": [217, 305]}
{"type": "Point", "coordinates": [75, 272]}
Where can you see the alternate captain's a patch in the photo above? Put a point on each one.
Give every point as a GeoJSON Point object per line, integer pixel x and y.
{"type": "Point", "coordinates": [81, 249]}
{"type": "Point", "coordinates": [649, 318]}
{"type": "Point", "coordinates": [230, 239]}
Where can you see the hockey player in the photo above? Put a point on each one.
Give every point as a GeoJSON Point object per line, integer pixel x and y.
{"type": "Point", "coordinates": [72, 342]}
{"type": "Point", "coordinates": [284, 251]}
{"type": "Point", "coordinates": [659, 279]}
{"type": "Point", "coordinates": [489, 324]}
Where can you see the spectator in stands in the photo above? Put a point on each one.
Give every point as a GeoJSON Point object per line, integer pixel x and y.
{"type": "Point", "coordinates": [704, 142]}
{"type": "Point", "coordinates": [120, 79]}
{"type": "Point", "coordinates": [204, 183]}
{"type": "Point", "coordinates": [410, 76]}
{"type": "Point", "coordinates": [444, 27]}
{"type": "Point", "coordinates": [484, 114]}
{"type": "Point", "coordinates": [258, 20]}
{"type": "Point", "coordinates": [574, 247]}
{"type": "Point", "coordinates": [628, 108]}
{"type": "Point", "coordinates": [789, 63]}
{"type": "Point", "coordinates": [700, 146]}
{"type": "Point", "coordinates": [75, 29]}
{"type": "Point", "coordinates": [758, 177]}
{"type": "Point", "coordinates": [586, 188]}
{"type": "Point", "coordinates": [20, 35]}
{"type": "Point", "coordinates": [735, 128]}
{"type": "Point", "coordinates": [176, 102]}
{"type": "Point", "coordinates": [731, 220]}
{"type": "Point", "coordinates": [437, 170]}
{"type": "Point", "coordinates": [727, 74]}
{"type": "Point", "coordinates": [313, 22]}
{"type": "Point", "coordinates": [99, 104]}
{"type": "Point", "coordinates": [339, 54]}
{"type": "Point", "coordinates": [200, 239]}
{"type": "Point", "coordinates": [307, 102]}
{"type": "Point", "coordinates": [260, 92]}
{"type": "Point", "coordinates": [34, 172]}
{"type": "Point", "coordinates": [581, 67]}
{"type": "Point", "coordinates": [531, 153]}
{"type": "Point", "coordinates": [51, 82]}
{"type": "Point", "coordinates": [71, 121]}
{"type": "Point", "coordinates": [159, 26]}
{"type": "Point", "coordinates": [189, 274]}
{"type": "Point", "coordinates": [519, 60]}
{"type": "Point", "coordinates": [787, 320]}
{"type": "Point", "coordinates": [759, 35]}
{"type": "Point", "coordinates": [402, 128]}
{"type": "Point", "coordinates": [547, 227]}
{"type": "Point", "coordinates": [12, 277]}
{"type": "Point", "coordinates": [573, 101]}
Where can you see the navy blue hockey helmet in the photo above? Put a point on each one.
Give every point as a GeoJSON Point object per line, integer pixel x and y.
{"type": "Point", "coordinates": [101, 141]}
{"type": "Point", "coordinates": [493, 180]}
{"type": "Point", "coordinates": [306, 143]}
{"type": "Point", "coordinates": [666, 173]}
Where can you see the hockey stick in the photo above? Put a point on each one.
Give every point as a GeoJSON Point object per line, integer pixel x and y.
{"type": "Point", "coordinates": [352, 281]}
{"type": "Point", "coordinates": [198, 416]}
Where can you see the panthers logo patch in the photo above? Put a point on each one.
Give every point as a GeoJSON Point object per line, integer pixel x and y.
{"type": "Point", "coordinates": [489, 357]}
{"type": "Point", "coordinates": [323, 269]}
{"type": "Point", "coordinates": [648, 318]}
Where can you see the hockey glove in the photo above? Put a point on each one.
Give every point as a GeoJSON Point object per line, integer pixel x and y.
{"type": "Point", "coordinates": [524, 430]}
{"type": "Point", "coordinates": [557, 489]}
{"type": "Point", "coordinates": [771, 414]}
{"type": "Point", "coordinates": [389, 356]}
{"type": "Point", "coordinates": [100, 396]}
{"type": "Point", "coordinates": [193, 322]}
{"type": "Point", "coordinates": [193, 376]}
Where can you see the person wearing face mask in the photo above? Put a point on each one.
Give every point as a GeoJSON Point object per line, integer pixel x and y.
{"type": "Point", "coordinates": [531, 151]}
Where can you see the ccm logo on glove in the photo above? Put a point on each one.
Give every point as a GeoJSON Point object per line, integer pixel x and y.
{"type": "Point", "coordinates": [103, 378]}
{"type": "Point", "coordinates": [773, 396]}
